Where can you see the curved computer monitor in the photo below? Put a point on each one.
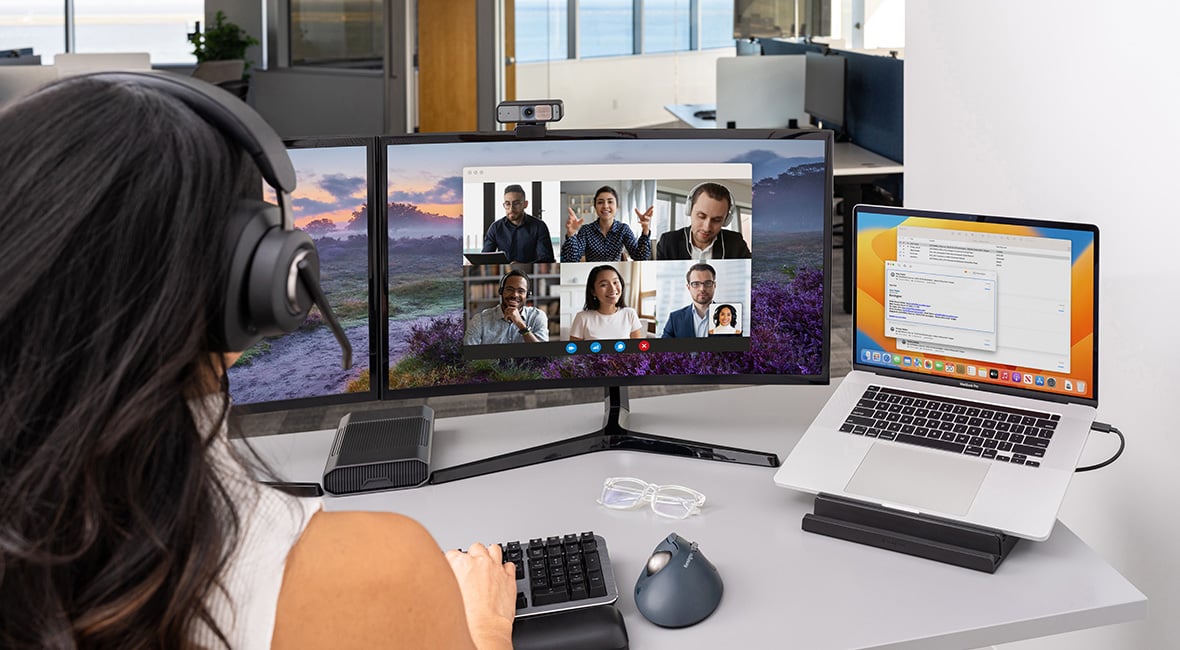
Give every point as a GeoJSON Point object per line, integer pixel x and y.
{"type": "Point", "coordinates": [449, 197]}
{"type": "Point", "coordinates": [333, 192]}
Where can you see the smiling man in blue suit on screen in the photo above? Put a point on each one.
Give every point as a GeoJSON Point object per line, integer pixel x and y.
{"type": "Point", "coordinates": [693, 320]}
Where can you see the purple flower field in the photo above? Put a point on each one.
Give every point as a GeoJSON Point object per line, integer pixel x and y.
{"type": "Point", "coordinates": [786, 339]}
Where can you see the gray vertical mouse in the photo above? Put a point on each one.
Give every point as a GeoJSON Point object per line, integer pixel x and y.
{"type": "Point", "coordinates": [678, 587]}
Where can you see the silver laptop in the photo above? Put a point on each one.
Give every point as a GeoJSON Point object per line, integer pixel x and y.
{"type": "Point", "coordinates": [975, 368]}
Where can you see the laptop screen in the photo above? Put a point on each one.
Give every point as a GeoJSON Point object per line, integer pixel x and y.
{"type": "Point", "coordinates": [987, 302]}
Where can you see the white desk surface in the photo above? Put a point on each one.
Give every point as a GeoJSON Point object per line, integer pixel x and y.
{"type": "Point", "coordinates": [848, 159]}
{"type": "Point", "coordinates": [783, 587]}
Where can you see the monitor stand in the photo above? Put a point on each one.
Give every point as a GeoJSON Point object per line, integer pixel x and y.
{"type": "Point", "coordinates": [613, 435]}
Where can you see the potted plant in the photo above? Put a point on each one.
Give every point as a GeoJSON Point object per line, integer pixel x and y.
{"type": "Point", "coordinates": [221, 54]}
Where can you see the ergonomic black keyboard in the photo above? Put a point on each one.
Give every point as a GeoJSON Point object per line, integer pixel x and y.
{"type": "Point", "coordinates": [560, 573]}
{"type": "Point", "coordinates": [1000, 433]}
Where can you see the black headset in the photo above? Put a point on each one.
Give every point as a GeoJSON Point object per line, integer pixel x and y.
{"type": "Point", "coordinates": [695, 192]}
{"type": "Point", "coordinates": [273, 270]}
{"type": "Point", "coordinates": [517, 273]}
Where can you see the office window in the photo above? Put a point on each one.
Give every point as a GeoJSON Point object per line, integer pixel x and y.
{"type": "Point", "coordinates": [542, 30]}
{"type": "Point", "coordinates": [158, 28]}
{"type": "Point", "coordinates": [605, 28]}
{"type": "Point", "coordinates": [39, 24]}
{"type": "Point", "coordinates": [716, 23]}
{"type": "Point", "coordinates": [666, 25]}
{"type": "Point", "coordinates": [337, 33]}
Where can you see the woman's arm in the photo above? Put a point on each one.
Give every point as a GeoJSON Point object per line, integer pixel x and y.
{"type": "Point", "coordinates": [573, 247]}
{"type": "Point", "coordinates": [639, 249]}
{"type": "Point", "coordinates": [374, 579]}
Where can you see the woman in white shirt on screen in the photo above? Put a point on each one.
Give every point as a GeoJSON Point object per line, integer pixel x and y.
{"type": "Point", "coordinates": [605, 314]}
{"type": "Point", "coordinates": [724, 321]}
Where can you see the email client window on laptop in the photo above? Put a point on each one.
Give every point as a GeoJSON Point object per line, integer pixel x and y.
{"type": "Point", "coordinates": [975, 367]}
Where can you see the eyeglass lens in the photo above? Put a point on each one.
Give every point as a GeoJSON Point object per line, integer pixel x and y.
{"type": "Point", "coordinates": [708, 284]}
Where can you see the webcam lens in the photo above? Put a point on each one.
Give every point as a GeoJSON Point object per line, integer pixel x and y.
{"type": "Point", "coordinates": [528, 112]}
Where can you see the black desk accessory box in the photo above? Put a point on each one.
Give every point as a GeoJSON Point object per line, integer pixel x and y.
{"type": "Point", "coordinates": [380, 450]}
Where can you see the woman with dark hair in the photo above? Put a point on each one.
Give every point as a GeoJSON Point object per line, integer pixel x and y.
{"type": "Point", "coordinates": [126, 518]}
{"type": "Point", "coordinates": [725, 321]}
{"type": "Point", "coordinates": [605, 314]}
{"type": "Point", "coordinates": [604, 239]}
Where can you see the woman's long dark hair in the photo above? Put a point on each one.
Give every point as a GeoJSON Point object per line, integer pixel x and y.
{"type": "Point", "coordinates": [114, 527]}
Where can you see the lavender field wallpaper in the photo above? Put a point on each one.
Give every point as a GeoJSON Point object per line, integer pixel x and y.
{"type": "Point", "coordinates": [425, 241]}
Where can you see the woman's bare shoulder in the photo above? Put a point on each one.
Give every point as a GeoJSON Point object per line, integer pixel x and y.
{"type": "Point", "coordinates": [358, 578]}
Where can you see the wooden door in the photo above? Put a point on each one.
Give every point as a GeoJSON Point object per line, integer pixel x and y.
{"type": "Point", "coordinates": [446, 66]}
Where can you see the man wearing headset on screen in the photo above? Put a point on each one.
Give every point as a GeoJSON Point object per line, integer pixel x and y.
{"type": "Point", "coordinates": [509, 321]}
{"type": "Point", "coordinates": [705, 237]}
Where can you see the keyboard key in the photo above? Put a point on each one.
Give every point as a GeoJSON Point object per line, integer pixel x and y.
{"type": "Point", "coordinates": [595, 583]}
{"type": "Point", "coordinates": [593, 562]}
{"type": "Point", "coordinates": [931, 443]}
{"type": "Point", "coordinates": [550, 596]}
{"type": "Point", "coordinates": [520, 600]}
{"type": "Point", "coordinates": [1036, 452]}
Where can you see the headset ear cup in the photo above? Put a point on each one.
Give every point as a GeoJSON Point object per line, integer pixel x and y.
{"type": "Point", "coordinates": [277, 298]}
{"type": "Point", "coordinates": [232, 328]}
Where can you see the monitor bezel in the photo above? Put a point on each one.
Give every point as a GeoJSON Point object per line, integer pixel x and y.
{"type": "Point", "coordinates": [376, 194]}
{"type": "Point", "coordinates": [823, 378]}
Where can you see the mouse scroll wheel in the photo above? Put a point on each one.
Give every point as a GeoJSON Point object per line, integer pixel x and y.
{"type": "Point", "coordinates": [657, 561]}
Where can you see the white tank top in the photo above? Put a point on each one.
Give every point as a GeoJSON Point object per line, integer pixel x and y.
{"type": "Point", "coordinates": [271, 523]}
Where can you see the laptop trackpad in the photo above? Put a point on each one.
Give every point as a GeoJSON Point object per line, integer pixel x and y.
{"type": "Point", "coordinates": [928, 481]}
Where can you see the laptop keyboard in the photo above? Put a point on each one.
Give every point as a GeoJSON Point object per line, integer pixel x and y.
{"type": "Point", "coordinates": [1003, 434]}
{"type": "Point", "coordinates": [560, 573]}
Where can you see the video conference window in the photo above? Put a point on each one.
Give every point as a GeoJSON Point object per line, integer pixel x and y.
{"type": "Point", "coordinates": [475, 296]}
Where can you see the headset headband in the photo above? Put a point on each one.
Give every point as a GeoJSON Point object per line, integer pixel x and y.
{"type": "Point", "coordinates": [232, 117]}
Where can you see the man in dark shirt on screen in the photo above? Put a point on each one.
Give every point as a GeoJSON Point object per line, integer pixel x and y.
{"type": "Point", "coordinates": [523, 237]}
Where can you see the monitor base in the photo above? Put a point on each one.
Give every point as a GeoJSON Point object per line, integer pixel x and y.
{"type": "Point", "coordinates": [612, 435]}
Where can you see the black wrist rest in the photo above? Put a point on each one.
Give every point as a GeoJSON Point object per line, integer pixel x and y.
{"type": "Point", "coordinates": [589, 628]}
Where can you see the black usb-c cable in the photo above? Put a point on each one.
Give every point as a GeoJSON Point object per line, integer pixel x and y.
{"type": "Point", "coordinates": [1106, 428]}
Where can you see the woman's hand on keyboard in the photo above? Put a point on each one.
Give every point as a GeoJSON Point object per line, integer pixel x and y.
{"type": "Point", "coordinates": [489, 594]}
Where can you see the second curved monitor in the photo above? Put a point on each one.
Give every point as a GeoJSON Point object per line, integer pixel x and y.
{"type": "Point", "coordinates": [606, 258]}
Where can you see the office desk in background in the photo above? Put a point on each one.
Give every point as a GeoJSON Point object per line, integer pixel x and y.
{"type": "Point", "coordinates": [853, 170]}
{"type": "Point", "coordinates": [783, 587]}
